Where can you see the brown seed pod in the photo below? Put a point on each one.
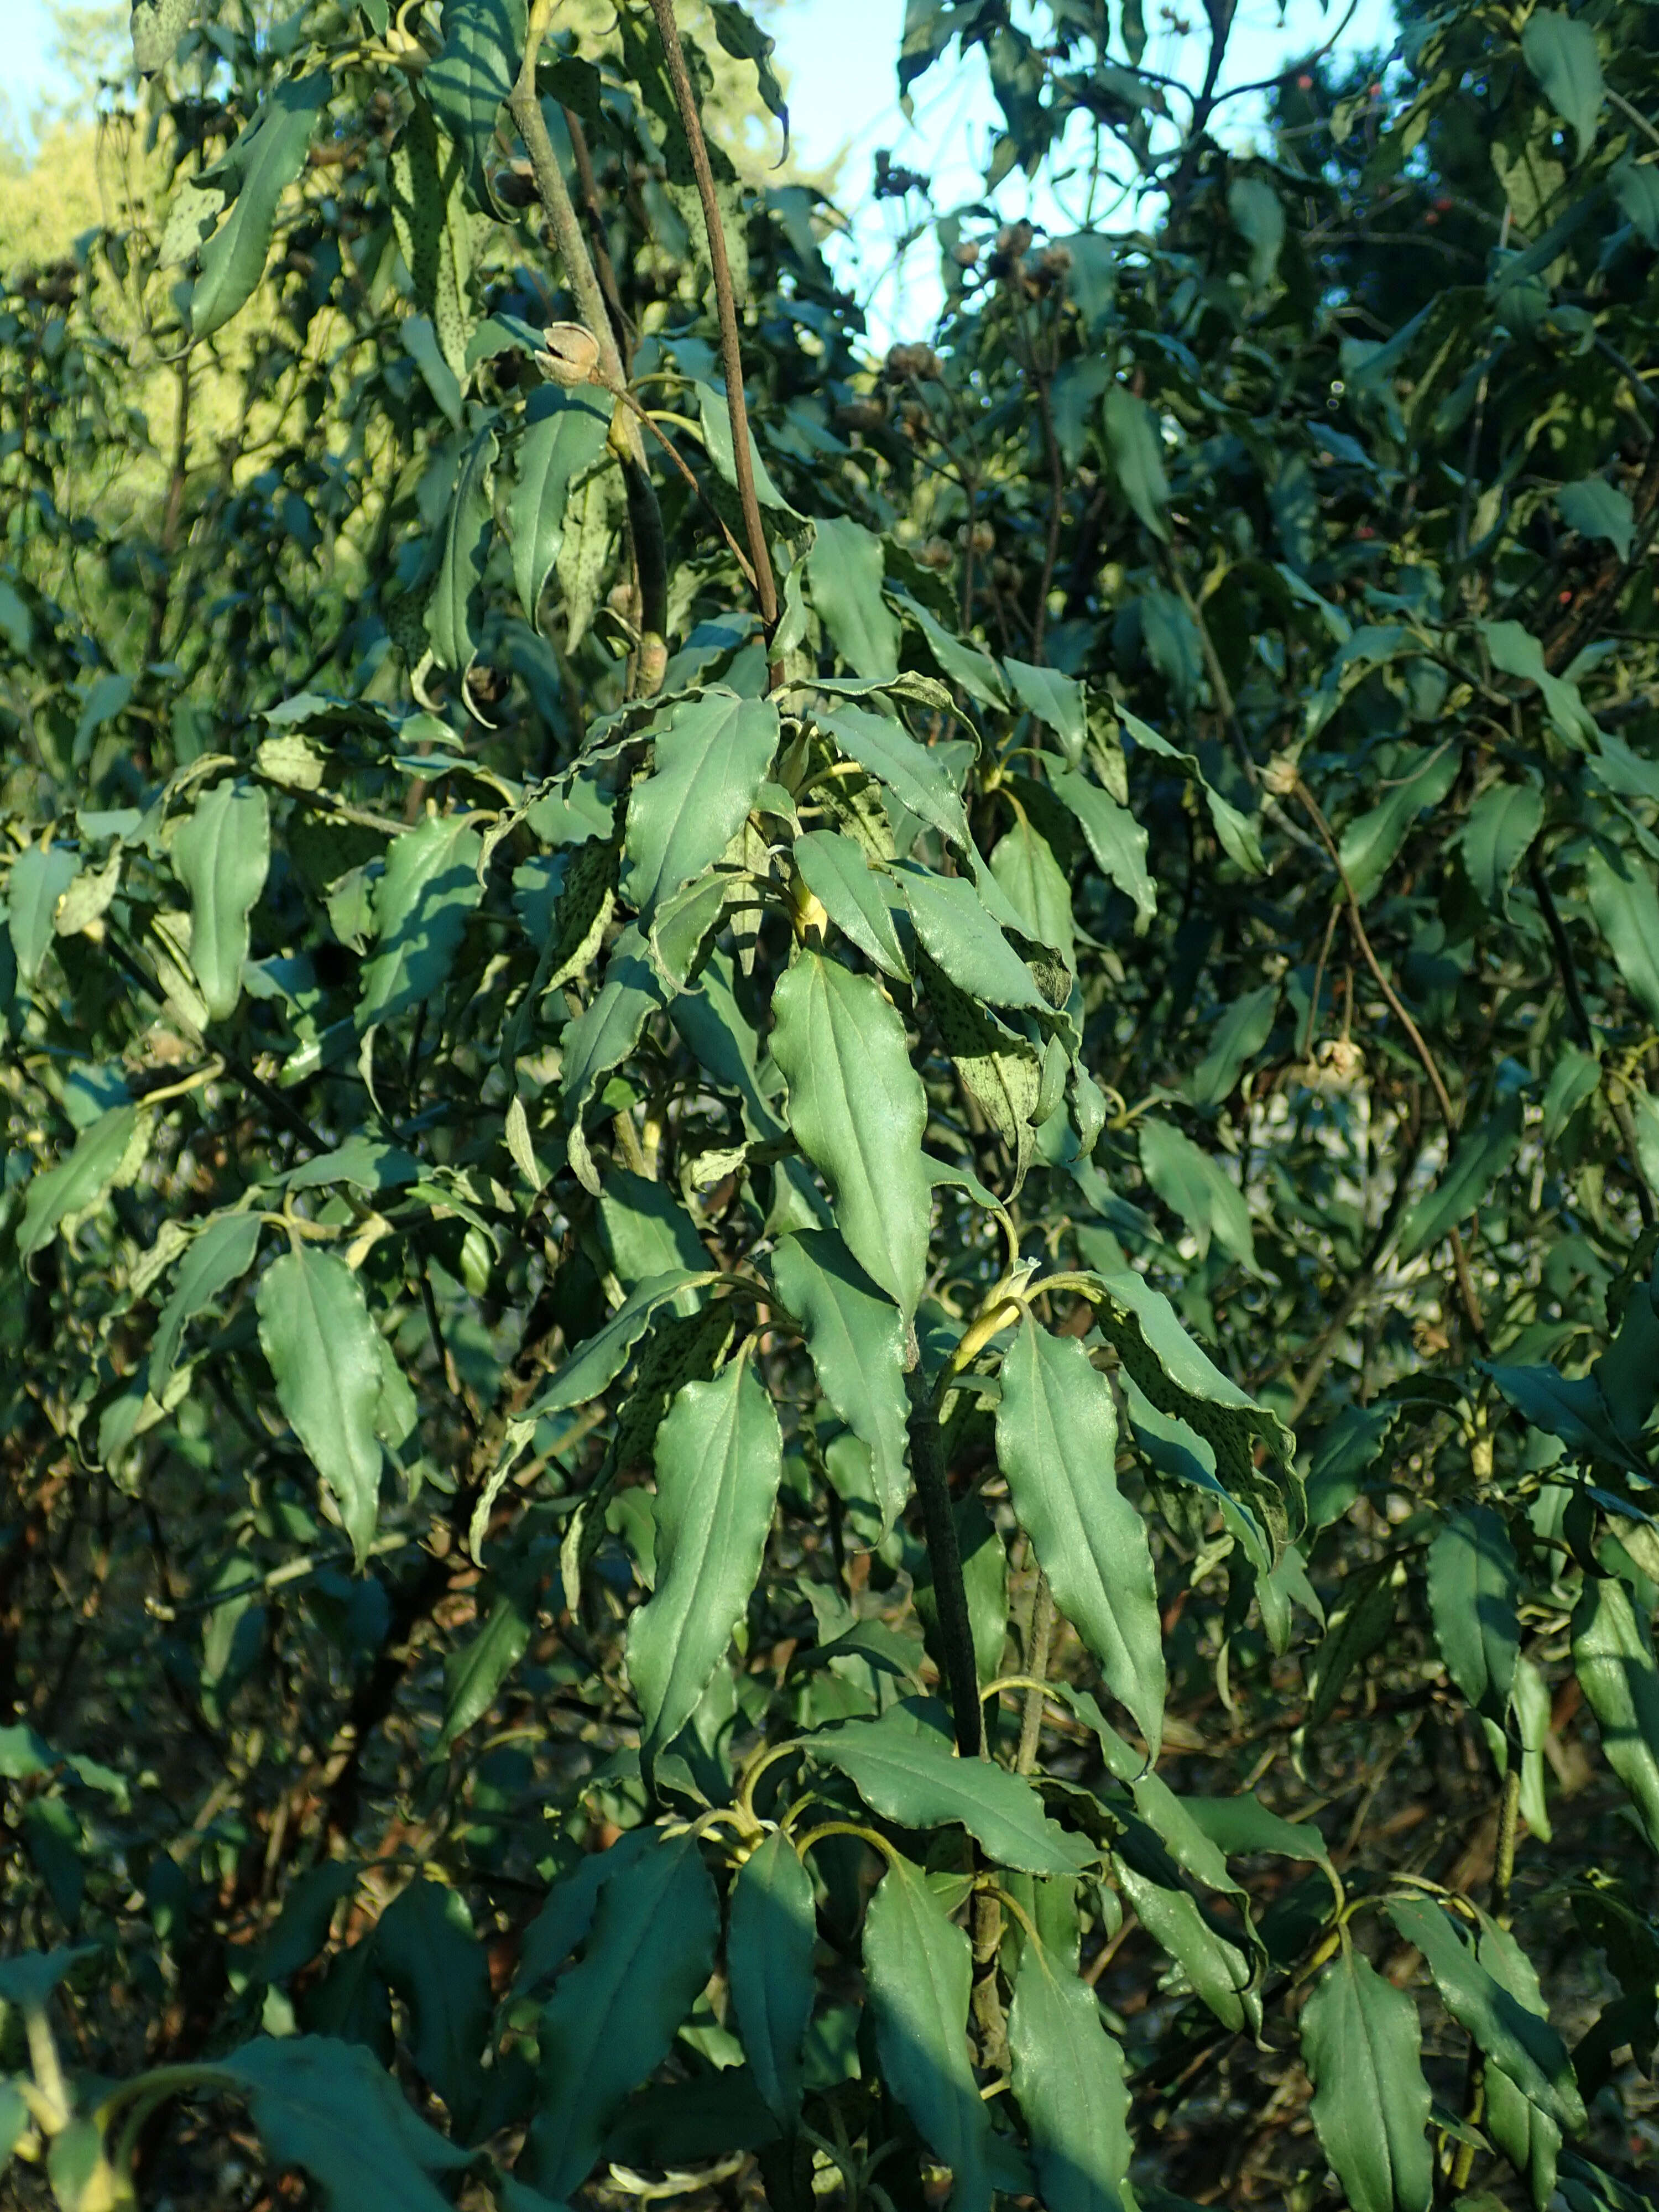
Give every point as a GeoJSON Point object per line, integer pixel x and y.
{"type": "Point", "coordinates": [572, 356]}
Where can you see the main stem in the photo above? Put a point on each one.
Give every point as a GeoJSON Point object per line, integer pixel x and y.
{"type": "Point", "coordinates": [726, 304]}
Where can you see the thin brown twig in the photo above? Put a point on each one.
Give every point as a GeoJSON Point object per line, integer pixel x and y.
{"type": "Point", "coordinates": [726, 306]}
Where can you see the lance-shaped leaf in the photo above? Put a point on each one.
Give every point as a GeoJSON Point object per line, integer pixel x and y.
{"type": "Point", "coordinates": [919, 1968]}
{"type": "Point", "coordinates": [332, 2109]}
{"type": "Point", "coordinates": [834, 869]}
{"type": "Point", "coordinates": [1526, 2046]}
{"type": "Point", "coordinates": [1024, 866]}
{"type": "Point", "coordinates": [1056, 1433]}
{"type": "Point", "coordinates": [1370, 843]}
{"type": "Point", "coordinates": [222, 855]}
{"type": "Point", "coordinates": [907, 1772]}
{"type": "Point", "coordinates": [1626, 910]}
{"type": "Point", "coordinates": [103, 1155]}
{"type": "Point", "coordinates": [1211, 1966]}
{"type": "Point", "coordinates": [1131, 440]}
{"type": "Point", "coordinates": [1360, 2043]}
{"type": "Point", "coordinates": [430, 888]}
{"type": "Point", "coordinates": [220, 1255]}
{"type": "Point", "coordinates": [1481, 1158]}
{"type": "Point", "coordinates": [720, 1459]}
{"type": "Point", "coordinates": [856, 1339]}
{"type": "Point", "coordinates": [323, 1350]}
{"type": "Point", "coordinates": [913, 773]}
{"type": "Point", "coordinates": [452, 612]}
{"type": "Point", "coordinates": [564, 433]}
{"type": "Point", "coordinates": [1612, 1658]}
{"type": "Point", "coordinates": [597, 1363]}
{"type": "Point", "coordinates": [711, 754]}
{"type": "Point", "coordinates": [1561, 51]}
{"type": "Point", "coordinates": [611, 2020]}
{"type": "Point", "coordinates": [1068, 2079]}
{"type": "Point", "coordinates": [261, 165]}
{"type": "Point", "coordinates": [608, 1028]}
{"type": "Point", "coordinates": [858, 1110]}
{"type": "Point", "coordinates": [769, 1964]}
{"type": "Point", "coordinates": [959, 936]}
{"type": "Point", "coordinates": [844, 574]}
{"type": "Point", "coordinates": [1499, 827]}
{"type": "Point", "coordinates": [38, 880]}
{"type": "Point", "coordinates": [434, 1962]}
{"type": "Point", "coordinates": [1115, 837]}
{"type": "Point", "coordinates": [473, 1673]}
{"type": "Point", "coordinates": [1475, 1587]}
{"type": "Point", "coordinates": [1199, 1189]}
{"type": "Point", "coordinates": [471, 75]}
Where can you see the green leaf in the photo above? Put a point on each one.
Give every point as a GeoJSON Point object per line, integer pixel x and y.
{"type": "Point", "coordinates": [474, 1674]}
{"type": "Point", "coordinates": [720, 1460]}
{"type": "Point", "coordinates": [1209, 1964]}
{"type": "Point", "coordinates": [1068, 2079]}
{"type": "Point", "coordinates": [607, 1029]}
{"type": "Point", "coordinates": [1243, 1824]}
{"type": "Point", "coordinates": [918, 1969]}
{"type": "Point", "coordinates": [711, 754]}
{"type": "Point", "coordinates": [1371, 841]}
{"type": "Point", "coordinates": [1516, 652]}
{"type": "Point", "coordinates": [1571, 1408]}
{"type": "Point", "coordinates": [265, 159]}
{"type": "Point", "coordinates": [595, 1365]}
{"type": "Point", "coordinates": [222, 855]}
{"type": "Point", "coordinates": [425, 1943]}
{"type": "Point", "coordinates": [1258, 219]}
{"type": "Point", "coordinates": [1596, 508]}
{"type": "Point", "coordinates": [219, 1255]}
{"type": "Point", "coordinates": [1359, 1626]}
{"type": "Point", "coordinates": [913, 773]}
{"type": "Point", "coordinates": [1474, 1588]}
{"type": "Point", "coordinates": [1480, 1159]}
{"type": "Point", "coordinates": [38, 881]}
{"type": "Point", "coordinates": [975, 671]}
{"type": "Point", "coordinates": [1612, 1658]}
{"type": "Point", "coordinates": [611, 2019]}
{"type": "Point", "coordinates": [1137, 457]}
{"type": "Point", "coordinates": [858, 1110]}
{"type": "Point", "coordinates": [769, 1964]}
{"type": "Point", "coordinates": [1024, 864]}
{"type": "Point", "coordinates": [1056, 1432]}
{"type": "Point", "coordinates": [1360, 2043]}
{"type": "Point", "coordinates": [103, 1156]}
{"type": "Point", "coordinates": [1237, 1037]}
{"type": "Point", "coordinates": [745, 40]}
{"type": "Point", "coordinates": [453, 609]}
{"type": "Point", "coordinates": [564, 433]}
{"type": "Point", "coordinates": [1199, 1189]}
{"type": "Point", "coordinates": [332, 2109]}
{"type": "Point", "coordinates": [856, 1339]}
{"type": "Point", "coordinates": [844, 574]}
{"type": "Point", "coordinates": [1496, 837]}
{"type": "Point", "coordinates": [430, 888]}
{"type": "Point", "coordinates": [323, 1352]}
{"type": "Point", "coordinates": [470, 75]}
{"type": "Point", "coordinates": [1561, 52]}
{"type": "Point", "coordinates": [648, 1233]}
{"type": "Point", "coordinates": [1238, 836]}
{"type": "Point", "coordinates": [1054, 699]}
{"type": "Point", "coordinates": [958, 935]}
{"type": "Point", "coordinates": [1527, 2048]}
{"type": "Point", "coordinates": [1626, 911]}
{"type": "Point", "coordinates": [834, 868]}
{"type": "Point", "coordinates": [1115, 837]}
{"type": "Point", "coordinates": [715, 419]}
{"type": "Point", "coordinates": [906, 1772]}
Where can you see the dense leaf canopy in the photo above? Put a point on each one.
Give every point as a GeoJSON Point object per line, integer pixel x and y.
{"type": "Point", "coordinates": [829, 1284]}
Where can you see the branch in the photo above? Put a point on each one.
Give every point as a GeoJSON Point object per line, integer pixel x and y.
{"type": "Point", "coordinates": [945, 1558]}
{"type": "Point", "coordinates": [725, 303]}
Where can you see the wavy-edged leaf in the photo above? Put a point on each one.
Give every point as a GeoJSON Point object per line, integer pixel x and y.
{"type": "Point", "coordinates": [844, 576]}
{"type": "Point", "coordinates": [453, 610]}
{"type": "Point", "coordinates": [918, 1969]}
{"type": "Point", "coordinates": [712, 753]}
{"type": "Point", "coordinates": [1561, 51]}
{"type": "Point", "coordinates": [834, 869]}
{"type": "Point", "coordinates": [1474, 1588]}
{"type": "Point", "coordinates": [611, 2020]}
{"type": "Point", "coordinates": [261, 163]}
{"type": "Point", "coordinates": [322, 1351]}
{"type": "Point", "coordinates": [911, 772]}
{"type": "Point", "coordinates": [564, 433]}
{"type": "Point", "coordinates": [1371, 841]}
{"type": "Point", "coordinates": [1197, 1188]}
{"type": "Point", "coordinates": [858, 1111]}
{"type": "Point", "coordinates": [38, 880]}
{"type": "Point", "coordinates": [430, 888]}
{"type": "Point", "coordinates": [1137, 455]}
{"type": "Point", "coordinates": [470, 76]}
{"type": "Point", "coordinates": [769, 1964]}
{"type": "Point", "coordinates": [1481, 1156]}
{"type": "Point", "coordinates": [1497, 834]}
{"type": "Point", "coordinates": [720, 1460]}
{"type": "Point", "coordinates": [332, 2109]}
{"type": "Point", "coordinates": [907, 1772]}
{"type": "Point", "coordinates": [425, 1940]}
{"type": "Point", "coordinates": [219, 1255]}
{"type": "Point", "coordinates": [1056, 1432]}
{"type": "Point", "coordinates": [103, 1155]}
{"type": "Point", "coordinates": [1115, 837]}
{"type": "Point", "coordinates": [1068, 2079]}
{"type": "Point", "coordinates": [959, 936]}
{"type": "Point", "coordinates": [856, 1339]}
{"type": "Point", "coordinates": [1612, 1657]}
{"type": "Point", "coordinates": [1361, 2043]}
{"type": "Point", "coordinates": [222, 855]}
{"type": "Point", "coordinates": [1626, 910]}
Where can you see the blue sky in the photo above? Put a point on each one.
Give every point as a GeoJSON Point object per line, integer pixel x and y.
{"type": "Point", "coordinates": [841, 57]}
